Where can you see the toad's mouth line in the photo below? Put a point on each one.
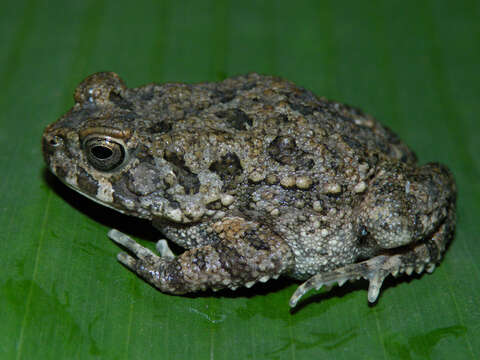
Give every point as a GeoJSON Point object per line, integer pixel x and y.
{"type": "Point", "coordinates": [93, 198]}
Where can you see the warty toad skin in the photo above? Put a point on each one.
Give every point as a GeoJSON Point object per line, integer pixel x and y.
{"type": "Point", "coordinates": [256, 178]}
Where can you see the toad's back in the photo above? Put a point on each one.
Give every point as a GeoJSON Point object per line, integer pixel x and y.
{"type": "Point", "coordinates": [261, 108]}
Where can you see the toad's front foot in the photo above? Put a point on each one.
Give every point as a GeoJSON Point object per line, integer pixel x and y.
{"type": "Point", "coordinates": [164, 272]}
{"type": "Point", "coordinates": [142, 256]}
{"type": "Point", "coordinates": [238, 258]}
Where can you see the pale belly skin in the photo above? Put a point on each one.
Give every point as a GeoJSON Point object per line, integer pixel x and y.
{"type": "Point", "coordinates": [256, 178]}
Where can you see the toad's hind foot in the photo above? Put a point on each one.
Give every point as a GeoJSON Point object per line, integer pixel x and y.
{"type": "Point", "coordinates": [374, 270]}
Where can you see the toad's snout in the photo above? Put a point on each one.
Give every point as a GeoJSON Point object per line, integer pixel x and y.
{"type": "Point", "coordinates": [53, 149]}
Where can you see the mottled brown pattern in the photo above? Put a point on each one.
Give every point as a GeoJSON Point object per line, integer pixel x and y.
{"type": "Point", "coordinates": [255, 177]}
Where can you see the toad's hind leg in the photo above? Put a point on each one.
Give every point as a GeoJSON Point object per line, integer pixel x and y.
{"type": "Point", "coordinates": [416, 257]}
{"type": "Point", "coordinates": [243, 254]}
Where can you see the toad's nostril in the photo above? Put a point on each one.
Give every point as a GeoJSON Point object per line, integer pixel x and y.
{"type": "Point", "coordinates": [49, 144]}
{"type": "Point", "coordinates": [55, 141]}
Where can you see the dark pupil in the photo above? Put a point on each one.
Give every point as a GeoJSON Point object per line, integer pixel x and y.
{"type": "Point", "coordinates": [101, 152]}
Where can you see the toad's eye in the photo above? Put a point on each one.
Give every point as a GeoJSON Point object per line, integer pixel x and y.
{"type": "Point", "coordinates": [104, 154]}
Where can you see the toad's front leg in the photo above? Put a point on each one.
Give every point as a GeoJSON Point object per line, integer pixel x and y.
{"type": "Point", "coordinates": [243, 254]}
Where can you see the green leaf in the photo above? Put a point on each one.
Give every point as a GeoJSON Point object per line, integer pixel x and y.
{"type": "Point", "coordinates": [412, 64]}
